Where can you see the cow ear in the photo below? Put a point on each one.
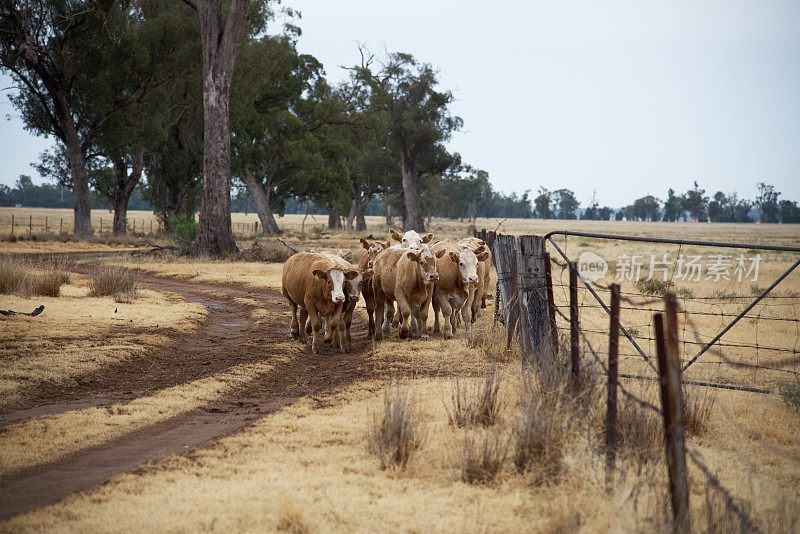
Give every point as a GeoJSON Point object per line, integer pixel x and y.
{"type": "Point", "coordinates": [349, 275]}
{"type": "Point", "coordinates": [395, 235]}
{"type": "Point", "coordinates": [364, 242]}
{"type": "Point", "coordinates": [480, 248]}
{"type": "Point", "coordinates": [440, 253]}
{"type": "Point", "coordinates": [454, 256]}
{"type": "Point", "coordinates": [427, 238]}
{"type": "Point", "coordinates": [483, 256]}
{"type": "Point", "coordinates": [412, 256]}
{"type": "Point", "coordinates": [386, 245]}
{"type": "Point", "coordinates": [319, 274]}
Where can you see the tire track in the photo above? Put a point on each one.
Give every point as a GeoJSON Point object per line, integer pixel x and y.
{"type": "Point", "coordinates": [229, 336]}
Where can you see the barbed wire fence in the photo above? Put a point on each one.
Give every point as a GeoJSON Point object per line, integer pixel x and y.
{"type": "Point", "coordinates": [540, 300]}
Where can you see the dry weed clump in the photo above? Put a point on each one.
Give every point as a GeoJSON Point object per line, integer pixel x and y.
{"type": "Point", "coordinates": [639, 428]}
{"type": "Point", "coordinates": [397, 434]}
{"type": "Point", "coordinates": [114, 280]}
{"type": "Point", "coordinates": [483, 457]}
{"type": "Point", "coordinates": [698, 403]}
{"type": "Point", "coordinates": [19, 276]}
{"type": "Point", "coordinates": [476, 404]}
{"type": "Point", "coordinates": [290, 519]}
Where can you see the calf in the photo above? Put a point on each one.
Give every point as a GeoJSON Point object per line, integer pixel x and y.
{"type": "Point", "coordinates": [405, 276]}
{"type": "Point", "coordinates": [314, 283]}
{"type": "Point", "coordinates": [458, 278]}
{"type": "Point", "coordinates": [352, 291]}
{"type": "Point", "coordinates": [365, 267]}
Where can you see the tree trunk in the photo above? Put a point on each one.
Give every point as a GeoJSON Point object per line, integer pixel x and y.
{"type": "Point", "coordinates": [220, 48]}
{"type": "Point", "coordinates": [358, 205]}
{"type": "Point", "coordinates": [123, 190]}
{"type": "Point", "coordinates": [413, 219]}
{"type": "Point", "coordinates": [261, 198]}
{"type": "Point", "coordinates": [334, 221]}
{"type": "Point", "coordinates": [351, 215]}
{"type": "Point", "coordinates": [389, 216]}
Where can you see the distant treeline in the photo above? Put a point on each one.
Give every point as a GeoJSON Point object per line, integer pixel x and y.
{"type": "Point", "coordinates": [470, 197]}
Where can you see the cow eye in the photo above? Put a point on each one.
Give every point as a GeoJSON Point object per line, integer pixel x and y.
{"type": "Point", "coordinates": [461, 263]}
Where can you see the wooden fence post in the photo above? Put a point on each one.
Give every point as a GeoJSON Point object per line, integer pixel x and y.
{"type": "Point", "coordinates": [534, 320]}
{"type": "Point", "coordinates": [669, 370]}
{"type": "Point", "coordinates": [101, 227]}
{"type": "Point", "coordinates": [61, 226]}
{"type": "Point", "coordinates": [12, 224]}
{"type": "Point", "coordinates": [574, 321]}
{"type": "Point", "coordinates": [505, 258]}
{"type": "Point", "coordinates": [46, 225]}
{"type": "Point", "coordinates": [256, 227]}
{"type": "Point", "coordinates": [30, 224]}
{"type": "Point", "coordinates": [613, 371]}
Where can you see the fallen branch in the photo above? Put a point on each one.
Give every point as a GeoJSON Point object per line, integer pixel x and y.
{"type": "Point", "coordinates": [39, 309]}
{"type": "Point", "coordinates": [282, 242]}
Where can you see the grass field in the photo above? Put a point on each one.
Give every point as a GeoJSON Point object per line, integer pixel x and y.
{"type": "Point", "coordinates": [278, 440]}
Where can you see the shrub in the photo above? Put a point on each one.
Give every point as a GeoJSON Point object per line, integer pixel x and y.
{"type": "Point", "coordinates": [19, 276]}
{"type": "Point", "coordinates": [482, 458]}
{"type": "Point", "coordinates": [653, 287]}
{"type": "Point", "coordinates": [184, 228]}
{"type": "Point", "coordinates": [477, 405]}
{"type": "Point", "coordinates": [790, 393]}
{"type": "Point", "coordinates": [397, 434]}
{"type": "Point", "coordinates": [114, 280]}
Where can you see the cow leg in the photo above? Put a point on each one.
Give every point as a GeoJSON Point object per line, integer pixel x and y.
{"type": "Point", "coordinates": [397, 319]}
{"type": "Point", "coordinates": [370, 302]}
{"type": "Point", "coordinates": [422, 317]}
{"type": "Point", "coordinates": [436, 309]}
{"type": "Point", "coordinates": [404, 309]}
{"type": "Point", "coordinates": [295, 325]}
{"type": "Point", "coordinates": [316, 324]}
{"type": "Point", "coordinates": [348, 321]}
{"type": "Point", "coordinates": [304, 326]}
{"type": "Point", "coordinates": [447, 316]}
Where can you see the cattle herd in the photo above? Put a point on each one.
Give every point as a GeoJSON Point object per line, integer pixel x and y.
{"type": "Point", "coordinates": [323, 288]}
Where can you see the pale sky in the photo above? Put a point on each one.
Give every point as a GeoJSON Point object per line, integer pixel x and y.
{"type": "Point", "coordinates": [625, 98]}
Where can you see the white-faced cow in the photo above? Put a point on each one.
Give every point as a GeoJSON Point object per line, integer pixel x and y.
{"type": "Point", "coordinates": [314, 284]}
{"type": "Point", "coordinates": [407, 277]}
{"type": "Point", "coordinates": [410, 240]}
{"type": "Point", "coordinates": [458, 279]}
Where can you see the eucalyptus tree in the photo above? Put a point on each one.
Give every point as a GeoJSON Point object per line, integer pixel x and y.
{"type": "Point", "coordinates": [285, 118]}
{"type": "Point", "coordinates": [419, 121]}
{"type": "Point", "coordinates": [75, 71]}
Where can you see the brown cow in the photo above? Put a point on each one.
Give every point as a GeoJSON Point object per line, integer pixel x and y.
{"type": "Point", "coordinates": [365, 267]}
{"type": "Point", "coordinates": [315, 283]}
{"type": "Point", "coordinates": [458, 279]}
{"type": "Point", "coordinates": [406, 276]}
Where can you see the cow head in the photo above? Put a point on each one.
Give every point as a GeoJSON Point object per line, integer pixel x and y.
{"type": "Point", "coordinates": [426, 263]}
{"type": "Point", "coordinates": [352, 288]}
{"type": "Point", "coordinates": [467, 261]}
{"type": "Point", "coordinates": [373, 249]}
{"type": "Point", "coordinates": [334, 281]}
{"type": "Point", "coordinates": [411, 239]}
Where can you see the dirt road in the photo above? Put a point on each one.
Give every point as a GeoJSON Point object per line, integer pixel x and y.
{"type": "Point", "coordinates": [229, 336]}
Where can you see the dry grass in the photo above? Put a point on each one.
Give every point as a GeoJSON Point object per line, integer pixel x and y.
{"type": "Point", "coordinates": [114, 280]}
{"type": "Point", "coordinates": [698, 405]}
{"type": "Point", "coordinates": [397, 434]}
{"type": "Point", "coordinates": [19, 276]}
{"type": "Point", "coordinates": [312, 456]}
{"type": "Point", "coordinates": [483, 456]}
{"type": "Point", "coordinates": [475, 404]}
